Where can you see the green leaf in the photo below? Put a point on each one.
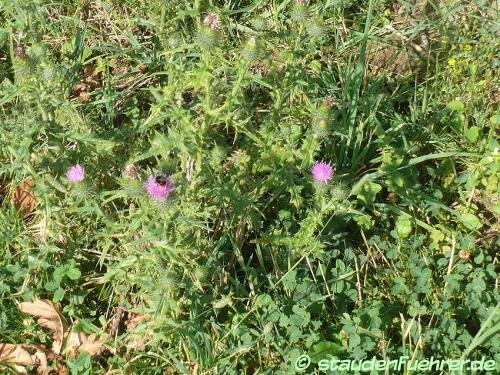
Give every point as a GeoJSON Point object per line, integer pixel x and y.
{"type": "Point", "coordinates": [58, 295]}
{"type": "Point", "coordinates": [73, 273]}
{"type": "Point", "coordinates": [59, 273]}
{"type": "Point", "coordinates": [354, 340]}
{"type": "Point", "coordinates": [368, 192]}
{"type": "Point", "coordinates": [226, 301]}
{"type": "Point", "coordinates": [437, 236]}
{"type": "Point", "coordinates": [495, 208]}
{"type": "Point", "coordinates": [471, 221]}
{"type": "Point", "coordinates": [323, 349]}
{"type": "Point", "coordinates": [290, 280]}
{"type": "Point", "coordinates": [264, 299]}
{"type": "Point", "coordinates": [472, 133]}
{"type": "Point", "coordinates": [273, 315]}
{"type": "Point", "coordinates": [456, 105]}
{"type": "Point", "coordinates": [300, 317]}
{"type": "Point", "coordinates": [420, 159]}
{"type": "Point", "coordinates": [478, 285]}
{"type": "Point", "coordinates": [404, 227]}
{"type": "Point", "coordinates": [295, 334]}
{"type": "Point", "coordinates": [52, 285]}
{"type": "Point", "coordinates": [364, 221]}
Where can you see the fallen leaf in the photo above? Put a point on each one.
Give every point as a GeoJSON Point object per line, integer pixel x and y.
{"type": "Point", "coordinates": [73, 342]}
{"type": "Point", "coordinates": [115, 321]}
{"type": "Point", "coordinates": [90, 80]}
{"type": "Point", "coordinates": [43, 368]}
{"type": "Point", "coordinates": [23, 198]}
{"type": "Point", "coordinates": [49, 316]}
{"type": "Point", "coordinates": [17, 354]}
{"type": "Point", "coordinates": [4, 185]}
{"type": "Point", "coordinates": [62, 369]}
{"type": "Point", "coordinates": [137, 342]}
{"type": "Point", "coordinates": [134, 319]}
{"type": "Point", "coordinates": [94, 344]}
{"type": "Point", "coordinates": [85, 97]}
{"type": "Point", "coordinates": [20, 369]}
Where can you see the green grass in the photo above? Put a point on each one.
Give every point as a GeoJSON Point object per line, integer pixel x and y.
{"type": "Point", "coordinates": [250, 263]}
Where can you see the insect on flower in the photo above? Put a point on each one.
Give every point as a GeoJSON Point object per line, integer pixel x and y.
{"type": "Point", "coordinates": [159, 186]}
{"type": "Point", "coordinates": [161, 180]}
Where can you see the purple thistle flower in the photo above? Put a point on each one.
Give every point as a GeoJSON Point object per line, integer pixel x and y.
{"type": "Point", "coordinates": [329, 101]}
{"type": "Point", "coordinates": [76, 173]}
{"type": "Point", "coordinates": [322, 172]}
{"type": "Point", "coordinates": [159, 187]}
{"type": "Point", "coordinates": [212, 21]}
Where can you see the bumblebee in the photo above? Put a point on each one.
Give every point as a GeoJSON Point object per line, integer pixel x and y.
{"type": "Point", "coordinates": [161, 180]}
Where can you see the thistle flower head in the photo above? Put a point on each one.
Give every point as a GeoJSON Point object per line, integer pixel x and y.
{"type": "Point", "coordinates": [76, 173]}
{"type": "Point", "coordinates": [159, 187]}
{"type": "Point", "coordinates": [201, 273]}
{"type": "Point", "coordinates": [252, 50]}
{"type": "Point", "coordinates": [338, 192]}
{"type": "Point", "coordinates": [259, 23]}
{"type": "Point", "coordinates": [322, 172]}
{"type": "Point", "coordinates": [316, 28]}
{"type": "Point", "coordinates": [299, 12]}
{"type": "Point", "coordinates": [132, 171]}
{"type": "Point", "coordinates": [219, 154]}
{"type": "Point", "coordinates": [207, 38]}
{"type": "Point", "coordinates": [320, 122]}
{"type": "Point", "coordinates": [173, 41]}
{"type": "Point", "coordinates": [321, 128]}
{"type": "Point", "coordinates": [212, 21]}
{"type": "Point", "coordinates": [329, 101]}
{"type": "Point", "coordinates": [171, 279]}
{"type": "Point", "coordinates": [261, 68]}
{"type": "Point", "coordinates": [19, 52]}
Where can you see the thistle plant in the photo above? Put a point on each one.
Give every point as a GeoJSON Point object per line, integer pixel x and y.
{"type": "Point", "coordinates": [78, 185]}
{"type": "Point", "coordinates": [322, 172]}
{"type": "Point", "coordinates": [321, 121]}
{"type": "Point", "coordinates": [257, 181]}
{"type": "Point", "coordinates": [207, 37]}
{"type": "Point", "coordinates": [299, 12]}
{"type": "Point", "coordinates": [159, 187]}
{"type": "Point", "coordinates": [252, 51]}
{"type": "Point", "coordinates": [260, 23]}
{"type": "Point", "coordinates": [212, 21]}
{"type": "Point", "coordinates": [316, 28]}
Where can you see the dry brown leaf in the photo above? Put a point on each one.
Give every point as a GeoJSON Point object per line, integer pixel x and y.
{"type": "Point", "coordinates": [20, 369]}
{"type": "Point", "coordinates": [73, 342]}
{"type": "Point", "coordinates": [62, 369]}
{"type": "Point", "coordinates": [94, 344]}
{"type": "Point", "coordinates": [136, 343]}
{"type": "Point", "coordinates": [17, 354]}
{"type": "Point", "coordinates": [23, 198]}
{"type": "Point", "coordinates": [49, 316]}
{"type": "Point", "coordinates": [90, 80]}
{"type": "Point", "coordinates": [134, 319]}
{"type": "Point", "coordinates": [115, 321]}
{"type": "Point", "coordinates": [85, 97]}
{"type": "Point", "coordinates": [43, 367]}
{"type": "Point", "coordinates": [4, 185]}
